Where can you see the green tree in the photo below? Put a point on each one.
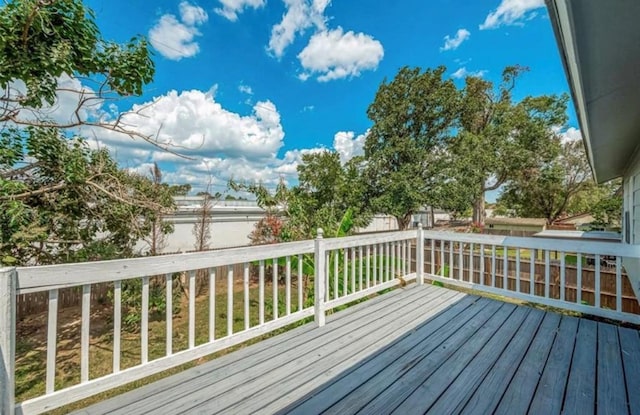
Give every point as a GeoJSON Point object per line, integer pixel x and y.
{"type": "Point", "coordinates": [547, 189]}
{"type": "Point", "coordinates": [413, 118]}
{"type": "Point", "coordinates": [602, 201]}
{"type": "Point", "coordinates": [71, 203]}
{"type": "Point", "coordinates": [498, 137]}
{"type": "Point", "coordinates": [60, 200]}
{"type": "Point", "coordinates": [43, 40]}
{"type": "Point", "coordinates": [327, 190]}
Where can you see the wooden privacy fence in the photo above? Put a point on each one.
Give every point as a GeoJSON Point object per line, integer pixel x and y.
{"type": "Point", "coordinates": [582, 276]}
{"type": "Point", "coordinates": [588, 284]}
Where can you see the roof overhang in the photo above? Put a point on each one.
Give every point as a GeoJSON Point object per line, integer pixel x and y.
{"type": "Point", "coordinates": [599, 44]}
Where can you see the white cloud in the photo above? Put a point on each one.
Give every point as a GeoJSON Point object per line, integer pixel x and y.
{"type": "Point", "coordinates": [452, 43]}
{"type": "Point", "coordinates": [231, 8]}
{"type": "Point", "coordinates": [300, 15]}
{"type": "Point", "coordinates": [334, 54]}
{"type": "Point", "coordinates": [511, 12]}
{"type": "Point", "coordinates": [175, 39]}
{"type": "Point", "coordinates": [463, 73]}
{"type": "Point", "coordinates": [570, 134]}
{"type": "Point", "coordinates": [245, 89]}
{"type": "Point", "coordinates": [348, 145]}
{"type": "Point", "coordinates": [192, 15]}
{"type": "Point", "coordinates": [212, 141]}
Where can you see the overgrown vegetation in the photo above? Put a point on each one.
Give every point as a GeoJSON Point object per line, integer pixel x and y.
{"type": "Point", "coordinates": [62, 200]}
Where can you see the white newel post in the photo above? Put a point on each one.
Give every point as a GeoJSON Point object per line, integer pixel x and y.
{"type": "Point", "coordinates": [7, 339]}
{"type": "Point", "coordinates": [318, 279]}
{"type": "Point", "coordinates": [420, 255]}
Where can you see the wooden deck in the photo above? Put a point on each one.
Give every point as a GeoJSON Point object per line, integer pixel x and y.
{"type": "Point", "coordinates": [414, 350]}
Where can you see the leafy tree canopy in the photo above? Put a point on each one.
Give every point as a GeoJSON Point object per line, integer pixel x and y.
{"type": "Point", "coordinates": [60, 199]}
{"type": "Point", "coordinates": [546, 189]}
{"type": "Point", "coordinates": [329, 195]}
{"type": "Point", "coordinates": [498, 137]}
{"type": "Point", "coordinates": [413, 118]}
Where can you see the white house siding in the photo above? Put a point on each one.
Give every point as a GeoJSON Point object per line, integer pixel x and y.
{"type": "Point", "coordinates": [631, 220]}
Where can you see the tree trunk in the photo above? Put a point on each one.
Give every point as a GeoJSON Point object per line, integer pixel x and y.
{"type": "Point", "coordinates": [433, 218]}
{"type": "Point", "coordinates": [403, 221]}
{"type": "Point", "coordinates": [478, 210]}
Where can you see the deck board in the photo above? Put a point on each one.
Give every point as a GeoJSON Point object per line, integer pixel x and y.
{"type": "Point", "coordinates": [581, 393]}
{"type": "Point", "coordinates": [461, 389]}
{"type": "Point", "coordinates": [378, 373]}
{"type": "Point", "coordinates": [518, 396]}
{"type": "Point", "coordinates": [383, 330]}
{"type": "Point", "coordinates": [419, 349]}
{"type": "Point", "coordinates": [487, 395]}
{"type": "Point", "coordinates": [611, 388]}
{"type": "Point", "coordinates": [508, 318]}
{"type": "Point", "coordinates": [630, 347]}
{"type": "Point", "coordinates": [551, 389]}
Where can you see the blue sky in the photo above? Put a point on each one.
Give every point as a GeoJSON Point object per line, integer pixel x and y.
{"type": "Point", "coordinates": [244, 87]}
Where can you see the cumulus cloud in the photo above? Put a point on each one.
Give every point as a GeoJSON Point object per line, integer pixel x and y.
{"type": "Point", "coordinates": [570, 134]}
{"type": "Point", "coordinates": [300, 16]}
{"type": "Point", "coordinates": [512, 12]}
{"type": "Point", "coordinates": [463, 73]}
{"type": "Point", "coordinates": [334, 54]}
{"type": "Point", "coordinates": [231, 8]}
{"type": "Point", "coordinates": [211, 141]}
{"type": "Point", "coordinates": [348, 145]}
{"type": "Point", "coordinates": [174, 38]}
{"type": "Point", "coordinates": [452, 43]}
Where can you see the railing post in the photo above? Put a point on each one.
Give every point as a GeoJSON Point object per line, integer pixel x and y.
{"type": "Point", "coordinates": [7, 339]}
{"type": "Point", "coordinates": [420, 255]}
{"type": "Point", "coordinates": [318, 279]}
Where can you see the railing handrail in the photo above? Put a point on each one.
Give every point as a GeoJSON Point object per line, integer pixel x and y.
{"type": "Point", "coordinates": [48, 277]}
{"type": "Point", "coordinates": [550, 244]}
{"type": "Point", "coordinates": [368, 239]}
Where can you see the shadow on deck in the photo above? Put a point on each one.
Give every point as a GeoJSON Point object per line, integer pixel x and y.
{"type": "Point", "coordinates": [414, 350]}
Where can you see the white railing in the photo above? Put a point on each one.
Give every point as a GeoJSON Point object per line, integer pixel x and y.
{"type": "Point", "coordinates": [273, 294]}
{"type": "Point", "coordinates": [267, 287]}
{"type": "Point", "coordinates": [581, 276]}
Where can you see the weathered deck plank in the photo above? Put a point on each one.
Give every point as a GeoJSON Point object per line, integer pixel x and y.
{"type": "Point", "coordinates": [491, 335]}
{"type": "Point", "coordinates": [517, 397]}
{"type": "Point", "coordinates": [581, 391]}
{"type": "Point", "coordinates": [551, 389]}
{"type": "Point", "coordinates": [333, 356]}
{"type": "Point", "coordinates": [385, 367]}
{"type": "Point", "coordinates": [487, 395]}
{"type": "Point", "coordinates": [611, 388]}
{"type": "Point", "coordinates": [630, 348]}
{"type": "Point", "coordinates": [424, 339]}
{"type": "Point", "coordinates": [414, 350]}
{"type": "Point", "coordinates": [376, 375]}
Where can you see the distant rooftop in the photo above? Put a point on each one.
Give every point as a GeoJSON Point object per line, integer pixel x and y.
{"type": "Point", "coordinates": [516, 221]}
